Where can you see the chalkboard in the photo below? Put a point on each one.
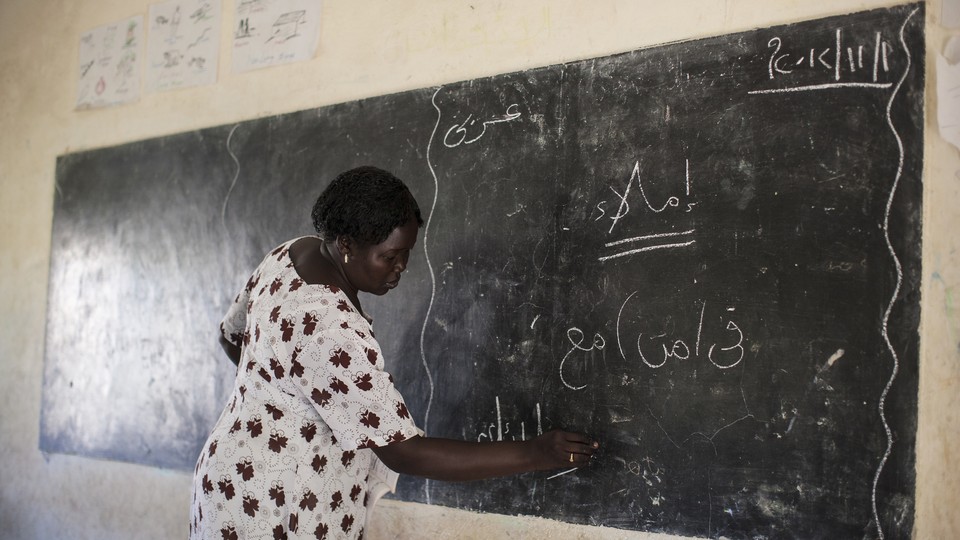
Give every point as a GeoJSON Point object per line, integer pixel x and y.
{"type": "Point", "coordinates": [704, 254]}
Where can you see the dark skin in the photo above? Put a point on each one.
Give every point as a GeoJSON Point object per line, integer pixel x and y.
{"type": "Point", "coordinates": [376, 269]}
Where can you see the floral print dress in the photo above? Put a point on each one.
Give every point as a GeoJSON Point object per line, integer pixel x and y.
{"type": "Point", "coordinates": [290, 455]}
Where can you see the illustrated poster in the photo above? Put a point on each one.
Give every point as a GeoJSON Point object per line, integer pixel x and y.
{"type": "Point", "coordinates": [110, 64]}
{"type": "Point", "coordinates": [272, 32]}
{"type": "Point", "coordinates": [183, 44]}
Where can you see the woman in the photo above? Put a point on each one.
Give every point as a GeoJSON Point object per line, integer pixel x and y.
{"type": "Point", "coordinates": [315, 430]}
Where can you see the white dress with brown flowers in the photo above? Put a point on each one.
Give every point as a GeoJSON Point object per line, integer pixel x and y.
{"type": "Point", "coordinates": [290, 455]}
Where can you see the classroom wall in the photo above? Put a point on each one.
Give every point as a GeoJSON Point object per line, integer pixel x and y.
{"type": "Point", "coordinates": [367, 48]}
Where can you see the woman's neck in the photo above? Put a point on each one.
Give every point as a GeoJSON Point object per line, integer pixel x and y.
{"type": "Point", "coordinates": [318, 262]}
{"type": "Point", "coordinates": [330, 253]}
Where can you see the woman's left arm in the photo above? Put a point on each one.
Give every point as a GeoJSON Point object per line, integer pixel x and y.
{"type": "Point", "coordinates": [232, 350]}
{"type": "Point", "coordinates": [453, 460]}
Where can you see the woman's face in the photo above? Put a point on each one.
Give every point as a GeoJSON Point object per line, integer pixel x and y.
{"type": "Point", "coordinates": [376, 268]}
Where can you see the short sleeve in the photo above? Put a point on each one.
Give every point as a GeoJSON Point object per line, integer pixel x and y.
{"type": "Point", "coordinates": [234, 323]}
{"type": "Point", "coordinates": [349, 388]}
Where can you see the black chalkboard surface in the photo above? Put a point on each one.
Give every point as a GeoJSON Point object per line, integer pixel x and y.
{"type": "Point", "coordinates": [705, 254]}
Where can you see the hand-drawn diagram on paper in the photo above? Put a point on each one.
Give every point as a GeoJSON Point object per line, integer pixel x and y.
{"type": "Point", "coordinates": [271, 32]}
{"type": "Point", "coordinates": [183, 44]}
{"type": "Point", "coordinates": [109, 64]}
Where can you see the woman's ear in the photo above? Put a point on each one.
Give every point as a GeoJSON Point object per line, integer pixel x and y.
{"type": "Point", "coordinates": [344, 246]}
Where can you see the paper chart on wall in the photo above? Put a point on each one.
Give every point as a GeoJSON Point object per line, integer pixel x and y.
{"type": "Point", "coordinates": [183, 44]}
{"type": "Point", "coordinates": [110, 64]}
{"type": "Point", "coordinates": [272, 32]}
{"type": "Point", "coordinates": [948, 92]}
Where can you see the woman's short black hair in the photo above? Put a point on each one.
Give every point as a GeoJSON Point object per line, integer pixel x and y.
{"type": "Point", "coordinates": [365, 204]}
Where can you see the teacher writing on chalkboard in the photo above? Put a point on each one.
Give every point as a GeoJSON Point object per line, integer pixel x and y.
{"type": "Point", "coordinates": [315, 431]}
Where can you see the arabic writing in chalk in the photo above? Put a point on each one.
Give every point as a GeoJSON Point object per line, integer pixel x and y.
{"type": "Point", "coordinates": [840, 64]}
{"type": "Point", "coordinates": [682, 203]}
{"type": "Point", "coordinates": [655, 345]}
{"type": "Point", "coordinates": [466, 132]}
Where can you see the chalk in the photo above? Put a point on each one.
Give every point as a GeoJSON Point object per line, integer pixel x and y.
{"type": "Point", "coordinates": [561, 473]}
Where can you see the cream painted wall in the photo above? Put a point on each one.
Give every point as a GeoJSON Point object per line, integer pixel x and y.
{"type": "Point", "coordinates": [368, 48]}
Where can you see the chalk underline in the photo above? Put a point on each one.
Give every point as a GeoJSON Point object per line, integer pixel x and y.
{"type": "Point", "coordinates": [640, 250]}
{"type": "Point", "coordinates": [648, 237]}
{"type": "Point", "coordinates": [821, 87]}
